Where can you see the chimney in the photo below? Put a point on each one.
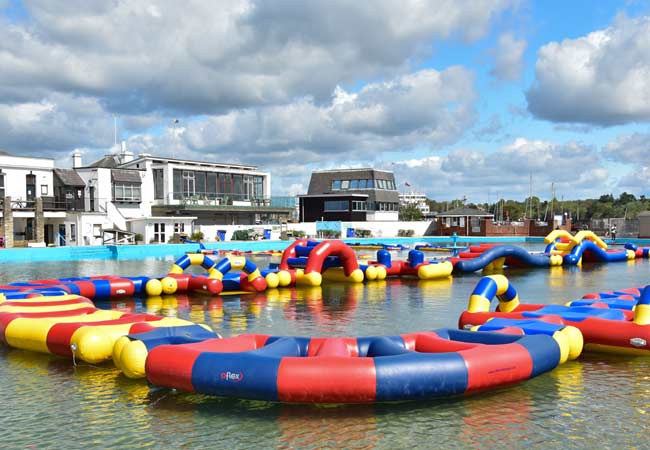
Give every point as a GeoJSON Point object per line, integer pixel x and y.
{"type": "Point", "coordinates": [76, 159]}
{"type": "Point", "coordinates": [126, 156]}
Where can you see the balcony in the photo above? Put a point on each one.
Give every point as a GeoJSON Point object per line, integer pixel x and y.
{"type": "Point", "coordinates": [49, 204]}
{"type": "Point", "coordinates": [228, 202]}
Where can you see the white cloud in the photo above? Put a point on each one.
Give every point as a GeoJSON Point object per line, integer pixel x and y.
{"type": "Point", "coordinates": [573, 168]}
{"type": "Point", "coordinates": [602, 78]}
{"type": "Point", "coordinates": [632, 149]}
{"type": "Point", "coordinates": [426, 107]}
{"type": "Point", "coordinates": [193, 57]}
{"type": "Point", "coordinates": [508, 57]}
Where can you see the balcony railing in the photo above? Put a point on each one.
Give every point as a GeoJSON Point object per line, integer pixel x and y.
{"type": "Point", "coordinates": [229, 201]}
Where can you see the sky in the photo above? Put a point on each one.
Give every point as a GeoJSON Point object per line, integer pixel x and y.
{"type": "Point", "coordinates": [477, 99]}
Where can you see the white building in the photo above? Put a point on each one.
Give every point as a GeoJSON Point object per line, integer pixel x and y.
{"type": "Point", "coordinates": [162, 197]}
{"type": "Point", "coordinates": [23, 180]}
{"type": "Point", "coordinates": [417, 199]}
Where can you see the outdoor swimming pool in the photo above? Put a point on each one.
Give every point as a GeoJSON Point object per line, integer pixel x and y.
{"type": "Point", "coordinates": [594, 402]}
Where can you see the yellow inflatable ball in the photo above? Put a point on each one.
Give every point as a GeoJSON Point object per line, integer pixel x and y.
{"type": "Point", "coordinates": [133, 358]}
{"type": "Point", "coordinates": [272, 280]}
{"type": "Point", "coordinates": [153, 287]}
{"type": "Point", "coordinates": [169, 285]}
{"type": "Point", "coordinates": [284, 278]}
{"type": "Point", "coordinates": [371, 273]}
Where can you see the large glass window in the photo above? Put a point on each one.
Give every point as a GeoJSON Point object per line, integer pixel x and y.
{"type": "Point", "coordinates": [178, 183]}
{"type": "Point", "coordinates": [126, 192]}
{"type": "Point", "coordinates": [158, 184]}
{"type": "Point", "coordinates": [354, 184]}
{"type": "Point", "coordinates": [370, 184]}
{"type": "Point", "coordinates": [188, 183]}
{"type": "Point", "coordinates": [362, 184]}
{"type": "Point", "coordinates": [336, 185]}
{"type": "Point", "coordinates": [336, 205]}
{"type": "Point", "coordinates": [199, 183]}
{"type": "Point", "coordinates": [345, 184]}
{"type": "Point", "coordinates": [211, 184]}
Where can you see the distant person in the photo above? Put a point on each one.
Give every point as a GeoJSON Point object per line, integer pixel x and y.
{"type": "Point", "coordinates": [612, 232]}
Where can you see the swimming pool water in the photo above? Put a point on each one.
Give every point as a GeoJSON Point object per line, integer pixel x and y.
{"type": "Point", "coordinates": [595, 402]}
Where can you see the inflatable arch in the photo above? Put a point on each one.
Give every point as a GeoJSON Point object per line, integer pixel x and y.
{"type": "Point", "coordinates": [317, 263]}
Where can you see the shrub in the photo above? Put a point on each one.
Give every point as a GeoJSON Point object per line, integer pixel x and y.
{"type": "Point", "coordinates": [405, 233]}
{"type": "Point", "coordinates": [197, 235]}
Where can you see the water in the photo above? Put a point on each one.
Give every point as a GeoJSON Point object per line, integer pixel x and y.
{"type": "Point", "coordinates": [596, 402]}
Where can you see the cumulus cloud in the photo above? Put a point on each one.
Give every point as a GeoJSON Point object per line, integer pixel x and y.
{"type": "Point", "coordinates": [196, 58]}
{"type": "Point", "coordinates": [508, 57]}
{"type": "Point", "coordinates": [602, 78]}
{"type": "Point", "coordinates": [426, 107]}
{"type": "Point", "coordinates": [631, 149]}
{"type": "Point", "coordinates": [573, 168]}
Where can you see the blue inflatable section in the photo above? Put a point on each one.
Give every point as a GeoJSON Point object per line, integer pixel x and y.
{"type": "Point", "coordinates": [503, 251]}
{"type": "Point", "coordinates": [598, 253]}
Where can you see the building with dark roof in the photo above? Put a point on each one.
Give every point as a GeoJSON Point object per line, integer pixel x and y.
{"type": "Point", "coordinates": [350, 195]}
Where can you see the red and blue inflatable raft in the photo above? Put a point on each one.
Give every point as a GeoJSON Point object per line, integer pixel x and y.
{"type": "Point", "coordinates": [412, 366]}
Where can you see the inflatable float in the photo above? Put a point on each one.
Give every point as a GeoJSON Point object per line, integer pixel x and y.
{"type": "Point", "coordinates": [352, 370]}
{"type": "Point", "coordinates": [414, 266]}
{"type": "Point", "coordinates": [603, 324]}
{"type": "Point", "coordinates": [70, 326]}
{"type": "Point", "coordinates": [308, 263]}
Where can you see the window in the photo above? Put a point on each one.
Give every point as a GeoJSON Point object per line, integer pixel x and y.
{"type": "Point", "coordinates": [336, 185]}
{"type": "Point", "coordinates": [381, 184]}
{"type": "Point", "coordinates": [362, 184]}
{"type": "Point", "coordinates": [370, 184]}
{"type": "Point", "coordinates": [73, 232]}
{"type": "Point", "coordinates": [159, 232]}
{"type": "Point", "coordinates": [179, 227]}
{"type": "Point", "coordinates": [126, 192]}
{"type": "Point", "coordinates": [358, 206]}
{"type": "Point", "coordinates": [188, 182]}
{"type": "Point", "coordinates": [354, 184]}
{"type": "Point", "coordinates": [44, 190]}
{"type": "Point", "coordinates": [336, 205]}
{"type": "Point", "coordinates": [158, 184]}
{"type": "Point", "coordinates": [2, 185]}
{"type": "Point", "coordinates": [345, 184]}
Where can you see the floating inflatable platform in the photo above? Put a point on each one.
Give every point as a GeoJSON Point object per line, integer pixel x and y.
{"type": "Point", "coordinates": [70, 326]}
{"type": "Point", "coordinates": [411, 366]}
{"type": "Point", "coordinates": [618, 324]}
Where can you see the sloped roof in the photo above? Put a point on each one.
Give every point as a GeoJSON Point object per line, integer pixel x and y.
{"type": "Point", "coordinates": [69, 177]}
{"type": "Point", "coordinates": [126, 176]}
{"type": "Point", "coordinates": [107, 162]}
{"type": "Point", "coordinates": [464, 211]}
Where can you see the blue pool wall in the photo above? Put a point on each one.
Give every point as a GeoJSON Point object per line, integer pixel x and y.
{"type": "Point", "coordinates": [175, 250]}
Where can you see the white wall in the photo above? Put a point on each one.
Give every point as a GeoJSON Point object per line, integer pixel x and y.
{"type": "Point", "coordinates": [16, 168]}
{"type": "Point", "coordinates": [378, 229]}
{"type": "Point", "coordinates": [145, 226]}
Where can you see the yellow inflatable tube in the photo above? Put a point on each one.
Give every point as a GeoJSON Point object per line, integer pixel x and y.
{"type": "Point", "coordinates": [31, 333]}
{"type": "Point", "coordinates": [433, 271]}
{"type": "Point", "coordinates": [94, 343]}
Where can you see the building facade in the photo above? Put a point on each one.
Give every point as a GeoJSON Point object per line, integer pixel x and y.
{"type": "Point", "coordinates": [158, 198]}
{"type": "Point", "coordinates": [417, 199]}
{"type": "Point", "coordinates": [350, 195]}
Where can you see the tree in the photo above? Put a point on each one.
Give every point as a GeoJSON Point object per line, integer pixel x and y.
{"type": "Point", "coordinates": [410, 213]}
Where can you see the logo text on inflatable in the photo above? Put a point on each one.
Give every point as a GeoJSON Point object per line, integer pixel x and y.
{"type": "Point", "coordinates": [235, 377]}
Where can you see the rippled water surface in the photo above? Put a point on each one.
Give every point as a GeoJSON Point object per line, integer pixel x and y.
{"type": "Point", "coordinates": [596, 402]}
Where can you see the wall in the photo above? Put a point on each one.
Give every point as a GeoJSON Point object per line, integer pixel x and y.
{"type": "Point", "coordinates": [378, 229]}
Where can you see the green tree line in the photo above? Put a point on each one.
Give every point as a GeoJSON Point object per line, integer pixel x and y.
{"type": "Point", "coordinates": [606, 206]}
